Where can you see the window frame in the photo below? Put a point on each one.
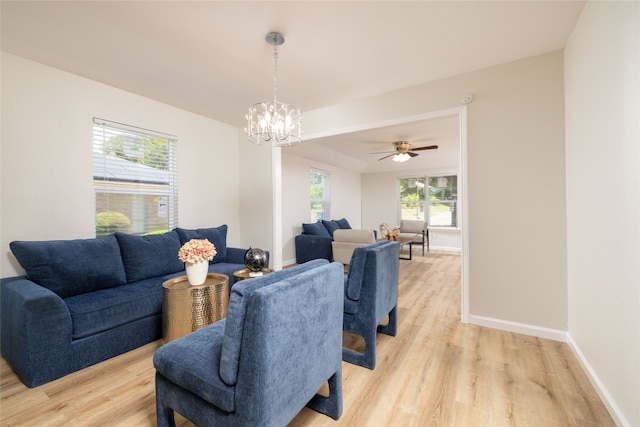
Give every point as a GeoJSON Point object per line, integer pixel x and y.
{"type": "Point", "coordinates": [325, 199]}
{"type": "Point", "coordinates": [126, 167]}
{"type": "Point", "coordinates": [425, 204]}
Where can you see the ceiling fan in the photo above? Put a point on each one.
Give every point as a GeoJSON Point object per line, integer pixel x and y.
{"type": "Point", "coordinates": [403, 151]}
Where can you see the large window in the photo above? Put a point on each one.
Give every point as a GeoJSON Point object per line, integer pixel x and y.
{"type": "Point", "coordinates": [438, 204]}
{"type": "Point", "coordinates": [134, 179]}
{"type": "Point", "coordinates": [319, 194]}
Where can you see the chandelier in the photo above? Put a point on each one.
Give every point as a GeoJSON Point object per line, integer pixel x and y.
{"type": "Point", "coordinates": [274, 123]}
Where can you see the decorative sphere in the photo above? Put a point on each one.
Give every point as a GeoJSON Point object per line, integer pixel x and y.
{"type": "Point", "coordinates": [255, 259]}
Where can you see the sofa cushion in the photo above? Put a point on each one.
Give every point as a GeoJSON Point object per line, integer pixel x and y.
{"type": "Point", "coordinates": [149, 256]}
{"type": "Point", "coordinates": [230, 354]}
{"type": "Point", "coordinates": [102, 310]}
{"type": "Point", "coordinates": [217, 236]}
{"type": "Point", "coordinates": [72, 267]}
{"type": "Point", "coordinates": [331, 226]}
{"type": "Point", "coordinates": [343, 223]}
{"type": "Point", "coordinates": [315, 229]}
{"type": "Point", "coordinates": [188, 362]}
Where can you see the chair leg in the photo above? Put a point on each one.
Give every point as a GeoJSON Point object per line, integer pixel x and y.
{"type": "Point", "coordinates": [366, 359]}
{"type": "Point", "coordinates": [391, 328]}
{"type": "Point", "coordinates": [427, 243]}
{"type": "Point", "coordinates": [164, 415]}
{"type": "Point", "coordinates": [330, 405]}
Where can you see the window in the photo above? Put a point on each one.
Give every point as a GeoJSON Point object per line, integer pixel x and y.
{"type": "Point", "coordinates": [412, 198]}
{"type": "Point", "coordinates": [438, 205]}
{"type": "Point", "coordinates": [134, 179]}
{"type": "Point", "coordinates": [319, 195]}
{"type": "Point", "coordinates": [443, 201]}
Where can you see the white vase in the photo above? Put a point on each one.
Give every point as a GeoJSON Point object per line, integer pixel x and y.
{"type": "Point", "coordinates": [197, 272]}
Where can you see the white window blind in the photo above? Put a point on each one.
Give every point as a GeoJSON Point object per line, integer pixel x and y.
{"type": "Point", "coordinates": [319, 194]}
{"type": "Point", "coordinates": [135, 179]}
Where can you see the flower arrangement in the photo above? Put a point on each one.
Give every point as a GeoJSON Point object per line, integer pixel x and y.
{"type": "Point", "coordinates": [197, 250]}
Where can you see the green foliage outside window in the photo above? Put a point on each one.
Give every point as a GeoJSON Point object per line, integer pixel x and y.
{"type": "Point", "coordinates": [412, 198]}
{"type": "Point", "coordinates": [109, 222]}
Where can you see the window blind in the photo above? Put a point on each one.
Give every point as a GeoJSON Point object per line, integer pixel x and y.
{"type": "Point", "coordinates": [135, 179]}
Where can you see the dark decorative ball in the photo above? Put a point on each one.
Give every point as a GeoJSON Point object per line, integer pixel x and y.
{"type": "Point", "coordinates": [255, 259]}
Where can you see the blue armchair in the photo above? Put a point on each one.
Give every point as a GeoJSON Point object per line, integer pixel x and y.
{"type": "Point", "coordinates": [370, 294]}
{"type": "Point", "coordinates": [280, 343]}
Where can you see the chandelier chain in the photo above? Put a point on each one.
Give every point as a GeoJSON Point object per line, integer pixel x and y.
{"type": "Point", "coordinates": [275, 74]}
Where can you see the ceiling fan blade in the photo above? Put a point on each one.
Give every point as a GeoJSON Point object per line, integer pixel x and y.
{"type": "Point", "coordinates": [412, 154]}
{"type": "Point", "coordinates": [387, 156]}
{"type": "Point", "coordinates": [383, 152]}
{"type": "Point", "coordinates": [428, 147]}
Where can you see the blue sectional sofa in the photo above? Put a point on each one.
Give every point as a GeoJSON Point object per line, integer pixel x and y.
{"type": "Point", "coordinates": [85, 301]}
{"type": "Point", "coordinates": [315, 240]}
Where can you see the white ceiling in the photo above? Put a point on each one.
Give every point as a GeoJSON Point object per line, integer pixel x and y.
{"type": "Point", "coordinates": [210, 57]}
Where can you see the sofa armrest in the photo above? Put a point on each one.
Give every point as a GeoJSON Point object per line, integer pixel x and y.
{"type": "Point", "coordinates": [236, 256]}
{"type": "Point", "coordinates": [310, 247]}
{"type": "Point", "coordinates": [35, 331]}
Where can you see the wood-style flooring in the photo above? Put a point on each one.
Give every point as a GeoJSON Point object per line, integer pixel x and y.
{"type": "Point", "coordinates": [437, 371]}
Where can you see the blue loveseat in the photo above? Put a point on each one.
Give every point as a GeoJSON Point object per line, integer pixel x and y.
{"type": "Point", "coordinates": [85, 301]}
{"type": "Point", "coordinates": [315, 240]}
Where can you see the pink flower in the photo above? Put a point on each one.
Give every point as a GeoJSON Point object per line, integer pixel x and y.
{"type": "Point", "coordinates": [197, 250]}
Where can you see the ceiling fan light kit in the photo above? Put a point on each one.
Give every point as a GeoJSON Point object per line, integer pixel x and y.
{"type": "Point", "coordinates": [274, 123]}
{"type": "Point", "coordinates": [400, 157]}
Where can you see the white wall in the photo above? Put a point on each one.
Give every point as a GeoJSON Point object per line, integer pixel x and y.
{"type": "Point", "coordinates": [602, 92]}
{"type": "Point", "coordinates": [257, 178]}
{"type": "Point", "coordinates": [345, 193]}
{"type": "Point", "coordinates": [515, 153]}
{"type": "Point", "coordinates": [46, 171]}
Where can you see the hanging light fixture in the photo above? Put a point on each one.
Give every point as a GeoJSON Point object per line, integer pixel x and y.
{"type": "Point", "coordinates": [274, 123]}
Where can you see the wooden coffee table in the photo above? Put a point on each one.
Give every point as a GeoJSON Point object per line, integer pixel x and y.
{"type": "Point", "coordinates": [402, 241]}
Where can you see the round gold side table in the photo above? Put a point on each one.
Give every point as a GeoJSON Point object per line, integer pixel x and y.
{"type": "Point", "coordinates": [187, 308]}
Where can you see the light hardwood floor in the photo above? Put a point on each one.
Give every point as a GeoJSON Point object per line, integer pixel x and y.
{"type": "Point", "coordinates": [437, 371]}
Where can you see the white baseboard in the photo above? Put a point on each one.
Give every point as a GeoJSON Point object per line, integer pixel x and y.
{"type": "Point", "coordinates": [607, 399]}
{"type": "Point", "coordinates": [520, 328]}
{"type": "Point", "coordinates": [288, 262]}
{"type": "Point", "coordinates": [444, 248]}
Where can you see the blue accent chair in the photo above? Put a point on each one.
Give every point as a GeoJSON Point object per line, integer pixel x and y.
{"type": "Point", "coordinates": [370, 294]}
{"type": "Point", "coordinates": [280, 343]}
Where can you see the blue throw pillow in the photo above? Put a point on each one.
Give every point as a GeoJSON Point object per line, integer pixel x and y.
{"type": "Point", "coordinates": [72, 267]}
{"type": "Point", "coordinates": [148, 256]}
{"type": "Point", "coordinates": [343, 224]}
{"type": "Point", "coordinates": [315, 229]}
{"type": "Point", "coordinates": [217, 236]}
{"type": "Point", "coordinates": [331, 226]}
